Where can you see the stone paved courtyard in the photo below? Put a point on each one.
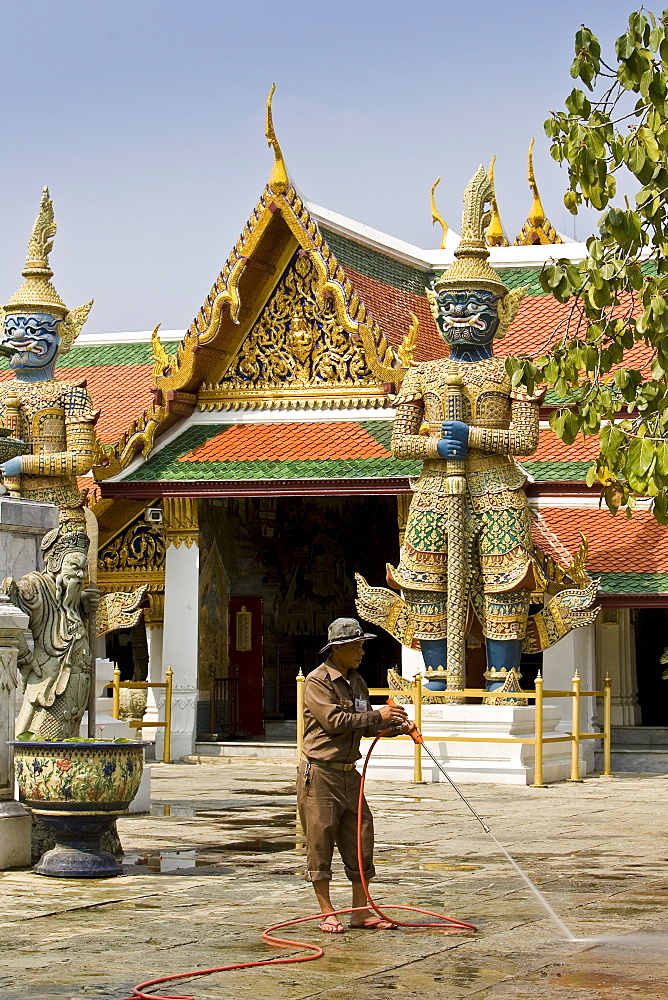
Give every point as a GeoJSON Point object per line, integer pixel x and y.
{"type": "Point", "coordinates": [219, 859]}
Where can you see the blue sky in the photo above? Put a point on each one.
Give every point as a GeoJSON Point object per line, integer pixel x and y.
{"type": "Point", "coordinates": [146, 120]}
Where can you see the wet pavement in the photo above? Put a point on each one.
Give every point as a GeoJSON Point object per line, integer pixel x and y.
{"type": "Point", "coordinates": [219, 858]}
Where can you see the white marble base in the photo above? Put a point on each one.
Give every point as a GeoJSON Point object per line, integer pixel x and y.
{"type": "Point", "coordinates": [142, 800]}
{"type": "Point", "coordinates": [508, 763]}
{"type": "Point", "coordinates": [15, 832]}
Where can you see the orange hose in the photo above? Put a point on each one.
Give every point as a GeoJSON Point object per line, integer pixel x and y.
{"type": "Point", "coordinates": [447, 924]}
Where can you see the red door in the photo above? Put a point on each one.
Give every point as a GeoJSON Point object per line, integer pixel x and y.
{"type": "Point", "coordinates": [246, 661]}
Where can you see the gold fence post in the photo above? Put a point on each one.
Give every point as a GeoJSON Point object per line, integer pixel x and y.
{"type": "Point", "coordinates": [538, 746]}
{"type": "Point", "coordinates": [417, 749]}
{"type": "Point", "coordinates": [607, 727]}
{"type": "Point", "coordinates": [575, 735]}
{"type": "Point", "coordinates": [116, 692]}
{"type": "Point", "coordinates": [167, 745]}
{"type": "Point", "coordinates": [301, 682]}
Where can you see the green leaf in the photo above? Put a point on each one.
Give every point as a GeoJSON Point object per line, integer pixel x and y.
{"type": "Point", "coordinates": [641, 456]}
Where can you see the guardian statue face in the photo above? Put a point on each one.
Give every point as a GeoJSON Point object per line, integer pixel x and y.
{"type": "Point", "coordinates": [467, 317]}
{"type": "Point", "coordinates": [33, 337]}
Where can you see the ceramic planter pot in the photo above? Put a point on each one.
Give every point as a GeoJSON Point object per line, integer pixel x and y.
{"type": "Point", "coordinates": [78, 790]}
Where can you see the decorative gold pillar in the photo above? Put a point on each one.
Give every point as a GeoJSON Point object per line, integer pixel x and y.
{"type": "Point", "coordinates": [403, 503]}
{"type": "Point", "coordinates": [181, 523]}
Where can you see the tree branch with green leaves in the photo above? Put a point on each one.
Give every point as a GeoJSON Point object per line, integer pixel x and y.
{"type": "Point", "coordinates": [606, 362]}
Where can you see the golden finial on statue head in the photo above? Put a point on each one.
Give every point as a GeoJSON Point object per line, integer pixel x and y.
{"type": "Point", "coordinates": [470, 268]}
{"type": "Point", "coordinates": [278, 181]}
{"type": "Point", "coordinates": [495, 235]}
{"type": "Point", "coordinates": [37, 294]}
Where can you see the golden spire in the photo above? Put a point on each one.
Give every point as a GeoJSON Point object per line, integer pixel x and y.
{"type": "Point", "coordinates": [495, 234]}
{"type": "Point", "coordinates": [436, 215]}
{"type": "Point", "coordinates": [470, 268]}
{"type": "Point", "coordinates": [537, 228]}
{"type": "Point", "coordinates": [37, 294]}
{"type": "Point", "coordinates": [278, 181]}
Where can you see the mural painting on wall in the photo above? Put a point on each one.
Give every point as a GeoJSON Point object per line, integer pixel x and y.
{"type": "Point", "coordinates": [214, 594]}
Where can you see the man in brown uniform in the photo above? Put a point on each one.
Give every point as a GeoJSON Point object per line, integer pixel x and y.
{"type": "Point", "coordinates": [337, 714]}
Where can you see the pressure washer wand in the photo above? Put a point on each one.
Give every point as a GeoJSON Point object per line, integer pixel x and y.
{"type": "Point", "coordinates": [418, 738]}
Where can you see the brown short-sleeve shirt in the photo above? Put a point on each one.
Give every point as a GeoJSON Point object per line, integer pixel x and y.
{"type": "Point", "coordinates": [334, 722]}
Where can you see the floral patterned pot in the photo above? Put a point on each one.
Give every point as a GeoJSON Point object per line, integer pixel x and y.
{"type": "Point", "coordinates": [78, 789]}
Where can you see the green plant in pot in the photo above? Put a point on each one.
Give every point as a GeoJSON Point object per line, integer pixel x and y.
{"type": "Point", "coordinates": [78, 787]}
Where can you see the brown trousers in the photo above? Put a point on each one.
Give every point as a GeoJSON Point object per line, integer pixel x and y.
{"type": "Point", "coordinates": [327, 802]}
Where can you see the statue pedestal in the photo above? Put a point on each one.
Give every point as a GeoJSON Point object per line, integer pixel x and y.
{"type": "Point", "coordinates": [22, 526]}
{"type": "Point", "coordinates": [498, 758]}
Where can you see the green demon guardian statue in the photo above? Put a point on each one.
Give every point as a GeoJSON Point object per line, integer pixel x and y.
{"type": "Point", "coordinates": [468, 545]}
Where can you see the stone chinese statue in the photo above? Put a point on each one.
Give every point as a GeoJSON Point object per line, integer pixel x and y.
{"type": "Point", "coordinates": [468, 547]}
{"type": "Point", "coordinates": [54, 418]}
{"type": "Point", "coordinates": [56, 672]}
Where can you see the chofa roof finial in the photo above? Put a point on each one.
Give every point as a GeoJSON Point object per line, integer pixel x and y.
{"type": "Point", "coordinates": [278, 181]}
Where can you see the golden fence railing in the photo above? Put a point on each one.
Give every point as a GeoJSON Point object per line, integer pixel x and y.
{"type": "Point", "coordinates": [139, 724]}
{"type": "Point", "coordinates": [415, 691]}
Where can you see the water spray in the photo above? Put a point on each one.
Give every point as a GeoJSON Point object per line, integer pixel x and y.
{"type": "Point", "coordinates": [418, 738]}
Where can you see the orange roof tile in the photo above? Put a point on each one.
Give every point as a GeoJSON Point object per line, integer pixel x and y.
{"type": "Point", "coordinates": [391, 308]}
{"type": "Point", "coordinates": [288, 442]}
{"type": "Point", "coordinates": [615, 544]}
{"type": "Point", "coordinates": [552, 449]}
{"type": "Point", "coordinates": [540, 320]}
{"type": "Point", "coordinates": [121, 392]}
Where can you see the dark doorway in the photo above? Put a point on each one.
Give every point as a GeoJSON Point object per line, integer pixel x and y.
{"type": "Point", "coordinates": [300, 554]}
{"type": "Point", "coordinates": [651, 632]}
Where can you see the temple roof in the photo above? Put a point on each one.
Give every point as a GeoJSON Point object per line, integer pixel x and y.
{"type": "Point", "coordinates": [204, 413]}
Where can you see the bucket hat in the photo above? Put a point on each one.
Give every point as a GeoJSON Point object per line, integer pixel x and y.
{"type": "Point", "coordinates": [344, 630]}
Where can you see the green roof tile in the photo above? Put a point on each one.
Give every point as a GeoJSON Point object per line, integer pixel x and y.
{"type": "Point", "coordinates": [375, 264]}
{"type": "Point", "coordinates": [546, 472]}
{"type": "Point", "coordinates": [517, 277]}
{"type": "Point", "coordinates": [166, 467]}
{"type": "Point", "coordinates": [95, 356]}
{"type": "Point", "coordinates": [633, 583]}
{"type": "Point", "coordinates": [383, 268]}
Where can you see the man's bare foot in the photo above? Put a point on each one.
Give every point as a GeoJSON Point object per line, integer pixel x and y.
{"type": "Point", "coordinates": [373, 924]}
{"type": "Point", "coordinates": [331, 925]}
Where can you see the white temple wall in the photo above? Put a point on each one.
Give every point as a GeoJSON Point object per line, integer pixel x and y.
{"type": "Point", "coordinates": [179, 646]}
{"type": "Point", "coordinates": [616, 656]}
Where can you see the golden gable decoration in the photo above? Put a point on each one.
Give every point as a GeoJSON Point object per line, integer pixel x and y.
{"type": "Point", "coordinates": [297, 349]}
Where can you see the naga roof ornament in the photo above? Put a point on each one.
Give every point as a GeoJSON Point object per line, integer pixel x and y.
{"type": "Point", "coordinates": [37, 294]}
{"type": "Point", "coordinates": [436, 215]}
{"type": "Point", "coordinates": [279, 181]}
{"type": "Point", "coordinates": [537, 228]}
{"type": "Point", "coordinates": [470, 268]}
{"type": "Point", "coordinates": [495, 234]}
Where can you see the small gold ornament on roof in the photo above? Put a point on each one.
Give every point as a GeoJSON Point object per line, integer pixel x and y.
{"type": "Point", "coordinates": [495, 234]}
{"type": "Point", "coordinates": [436, 215]}
{"type": "Point", "coordinates": [537, 229]}
{"type": "Point", "coordinates": [278, 181]}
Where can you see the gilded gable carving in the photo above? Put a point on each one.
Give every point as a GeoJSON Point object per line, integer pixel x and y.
{"type": "Point", "coordinates": [296, 344]}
